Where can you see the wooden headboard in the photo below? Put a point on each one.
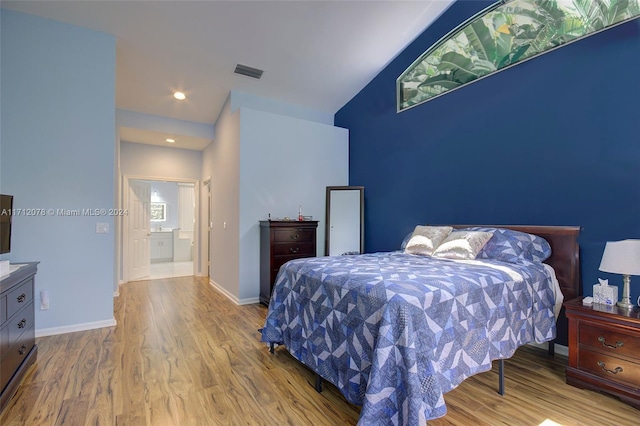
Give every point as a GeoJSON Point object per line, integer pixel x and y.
{"type": "Point", "coordinates": [565, 260]}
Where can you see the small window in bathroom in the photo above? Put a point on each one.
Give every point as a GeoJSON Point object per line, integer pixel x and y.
{"type": "Point", "coordinates": [158, 212]}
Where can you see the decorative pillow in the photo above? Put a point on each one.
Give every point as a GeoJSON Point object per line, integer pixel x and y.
{"type": "Point", "coordinates": [462, 245]}
{"type": "Point", "coordinates": [425, 239]}
{"type": "Point", "coordinates": [406, 241]}
{"type": "Point", "coordinates": [510, 246]}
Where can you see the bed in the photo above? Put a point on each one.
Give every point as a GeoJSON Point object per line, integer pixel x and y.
{"type": "Point", "coordinates": [394, 332]}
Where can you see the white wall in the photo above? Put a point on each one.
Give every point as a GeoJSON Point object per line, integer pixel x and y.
{"type": "Point", "coordinates": [156, 123]}
{"type": "Point", "coordinates": [58, 132]}
{"type": "Point", "coordinates": [221, 161]}
{"type": "Point", "coordinates": [284, 162]}
{"type": "Point", "coordinates": [159, 162]}
{"type": "Point", "coordinates": [263, 162]}
{"type": "Point", "coordinates": [245, 100]}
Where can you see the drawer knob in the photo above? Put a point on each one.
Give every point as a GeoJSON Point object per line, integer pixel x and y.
{"type": "Point", "coordinates": [294, 249]}
{"type": "Point", "coordinates": [616, 371]}
{"type": "Point", "coordinates": [604, 343]}
{"type": "Point", "coordinates": [22, 349]}
{"type": "Point", "coordinates": [21, 298]}
{"type": "Point", "coordinates": [294, 236]}
{"type": "Point", "coordinates": [22, 323]}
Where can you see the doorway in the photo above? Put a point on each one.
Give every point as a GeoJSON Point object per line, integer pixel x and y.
{"type": "Point", "coordinates": [160, 238]}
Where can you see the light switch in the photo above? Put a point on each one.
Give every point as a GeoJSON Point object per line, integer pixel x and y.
{"type": "Point", "coordinates": [102, 228]}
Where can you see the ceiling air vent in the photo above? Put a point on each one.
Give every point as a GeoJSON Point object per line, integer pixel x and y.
{"type": "Point", "coordinates": [248, 71]}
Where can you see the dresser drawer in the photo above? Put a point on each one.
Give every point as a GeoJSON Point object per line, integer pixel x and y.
{"type": "Point", "coordinates": [15, 355]}
{"type": "Point", "coordinates": [609, 367]}
{"type": "Point", "coordinates": [299, 235]}
{"type": "Point", "coordinates": [4, 343]}
{"type": "Point", "coordinates": [19, 297]}
{"type": "Point", "coordinates": [609, 341]}
{"type": "Point", "coordinates": [278, 261]}
{"type": "Point", "coordinates": [3, 309]}
{"type": "Point", "coordinates": [292, 249]}
{"type": "Point", "coordinates": [20, 323]}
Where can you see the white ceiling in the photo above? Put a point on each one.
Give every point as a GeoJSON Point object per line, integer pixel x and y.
{"type": "Point", "coordinates": [315, 54]}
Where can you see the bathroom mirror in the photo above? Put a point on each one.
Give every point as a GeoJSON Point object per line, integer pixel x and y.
{"type": "Point", "coordinates": [344, 231]}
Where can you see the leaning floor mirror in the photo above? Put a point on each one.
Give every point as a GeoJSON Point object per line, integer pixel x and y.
{"type": "Point", "coordinates": [344, 231]}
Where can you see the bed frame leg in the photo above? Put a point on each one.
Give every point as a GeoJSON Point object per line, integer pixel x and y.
{"type": "Point", "coordinates": [501, 377]}
{"type": "Point", "coordinates": [271, 346]}
{"type": "Point", "coordinates": [552, 347]}
{"type": "Point", "coordinates": [318, 383]}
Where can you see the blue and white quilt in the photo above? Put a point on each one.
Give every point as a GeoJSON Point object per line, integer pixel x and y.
{"type": "Point", "coordinates": [394, 332]}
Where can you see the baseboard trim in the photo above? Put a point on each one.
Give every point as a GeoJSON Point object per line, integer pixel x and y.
{"type": "Point", "coordinates": [52, 331]}
{"type": "Point", "coordinates": [232, 297]}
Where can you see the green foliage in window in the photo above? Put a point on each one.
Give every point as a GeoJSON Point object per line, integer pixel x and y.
{"type": "Point", "coordinates": [502, 35]}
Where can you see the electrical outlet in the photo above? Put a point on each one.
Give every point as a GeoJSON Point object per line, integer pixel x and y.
{"type": "Point", "coordinates": [44, 300]}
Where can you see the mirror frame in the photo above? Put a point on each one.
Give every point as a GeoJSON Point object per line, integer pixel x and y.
{"type": "Point", "coordinates": [327, 229]}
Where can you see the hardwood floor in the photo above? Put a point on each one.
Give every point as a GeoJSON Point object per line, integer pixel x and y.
{"type": "Point", "coordinates": [183, 354]}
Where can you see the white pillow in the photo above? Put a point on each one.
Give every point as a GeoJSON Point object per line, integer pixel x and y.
{"type": "Point", "coordinates": [425, 239]}
{"type": "Point", "coordinates": [462, 245]}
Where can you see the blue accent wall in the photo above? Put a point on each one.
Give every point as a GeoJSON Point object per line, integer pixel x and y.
{"type": "Point", "coordinates": [551, 141]}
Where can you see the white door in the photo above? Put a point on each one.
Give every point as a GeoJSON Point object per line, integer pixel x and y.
{"type": "Point", "coordinates": [139, 230]}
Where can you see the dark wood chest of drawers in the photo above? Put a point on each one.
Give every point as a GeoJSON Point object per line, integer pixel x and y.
{"type": "Point", "coordinates": [604, 349]}
{"type": "Point", "coordinates": [280, 242]}
{"type": "Point", "coordinates": [17, 329]}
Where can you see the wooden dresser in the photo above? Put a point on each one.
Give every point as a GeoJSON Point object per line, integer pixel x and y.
{"type": "Point", "coordinates": [280, 242]}
{"type": "Point", "coordinates": [604, 349]}
{"type": "Point", "coordinates": [17, 331]}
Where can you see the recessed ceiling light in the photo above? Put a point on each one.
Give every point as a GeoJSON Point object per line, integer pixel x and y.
{"type": "Point", "coordinates": [170, 140]}
{"type": "Point", "coordinates": [180, 96]}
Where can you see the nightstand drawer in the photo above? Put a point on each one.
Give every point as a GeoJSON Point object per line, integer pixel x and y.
{"type": "Point", "coordinates": [609, 341]}
{"type": "Point", "coordinates": [298, 235]}
{"type": "Point", "coordinates": [609, 367]}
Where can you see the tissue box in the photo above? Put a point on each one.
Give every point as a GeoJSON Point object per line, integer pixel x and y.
{"type": "Point", "coordinates": [605, 294]}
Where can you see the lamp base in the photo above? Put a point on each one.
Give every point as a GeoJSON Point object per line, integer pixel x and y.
{"type": "Point", "coordinates": [625, 305]}
{"type": "Point", "coordinates": [625, 301]}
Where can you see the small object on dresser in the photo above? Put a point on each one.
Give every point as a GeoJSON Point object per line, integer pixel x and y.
{"type": "Point", "coordinates": [300, 217]}
{"type": "Point", "coordinates": [587, 301]}
{"type": "Point", "coordinates": [605, 294]}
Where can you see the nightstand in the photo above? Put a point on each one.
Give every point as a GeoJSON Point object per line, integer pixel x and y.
{"type": "Point", "coordinates": [604, 349]}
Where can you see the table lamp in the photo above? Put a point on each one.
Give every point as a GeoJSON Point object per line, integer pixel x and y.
{"type": "Point", "coordinates": [622, 257]}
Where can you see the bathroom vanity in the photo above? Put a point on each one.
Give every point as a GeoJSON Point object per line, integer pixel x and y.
{"type": "Point", "coordinates": [162, 246]}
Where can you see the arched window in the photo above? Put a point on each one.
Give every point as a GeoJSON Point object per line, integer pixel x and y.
{"type": "Point", "coordinates": [503, 35]}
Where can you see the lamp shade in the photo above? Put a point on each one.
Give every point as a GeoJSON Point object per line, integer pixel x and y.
{"type": "Point", "coordinates": [621, 257]}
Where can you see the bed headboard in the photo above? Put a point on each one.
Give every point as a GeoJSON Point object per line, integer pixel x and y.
{"type": "Point", "coordinates": [565, 260]}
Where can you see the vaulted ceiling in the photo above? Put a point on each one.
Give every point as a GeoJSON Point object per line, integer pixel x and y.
{"type": "Point", "coordinates": [315, 54]}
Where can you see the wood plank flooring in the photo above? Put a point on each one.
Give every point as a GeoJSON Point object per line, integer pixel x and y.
{"type": "Point", "coordinates": [183, 354]}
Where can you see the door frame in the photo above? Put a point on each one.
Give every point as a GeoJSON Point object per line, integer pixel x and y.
{"type": "Point", "coordinates": [123, 237]}
{"type": "Point", "coordinates": [206, 184]}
